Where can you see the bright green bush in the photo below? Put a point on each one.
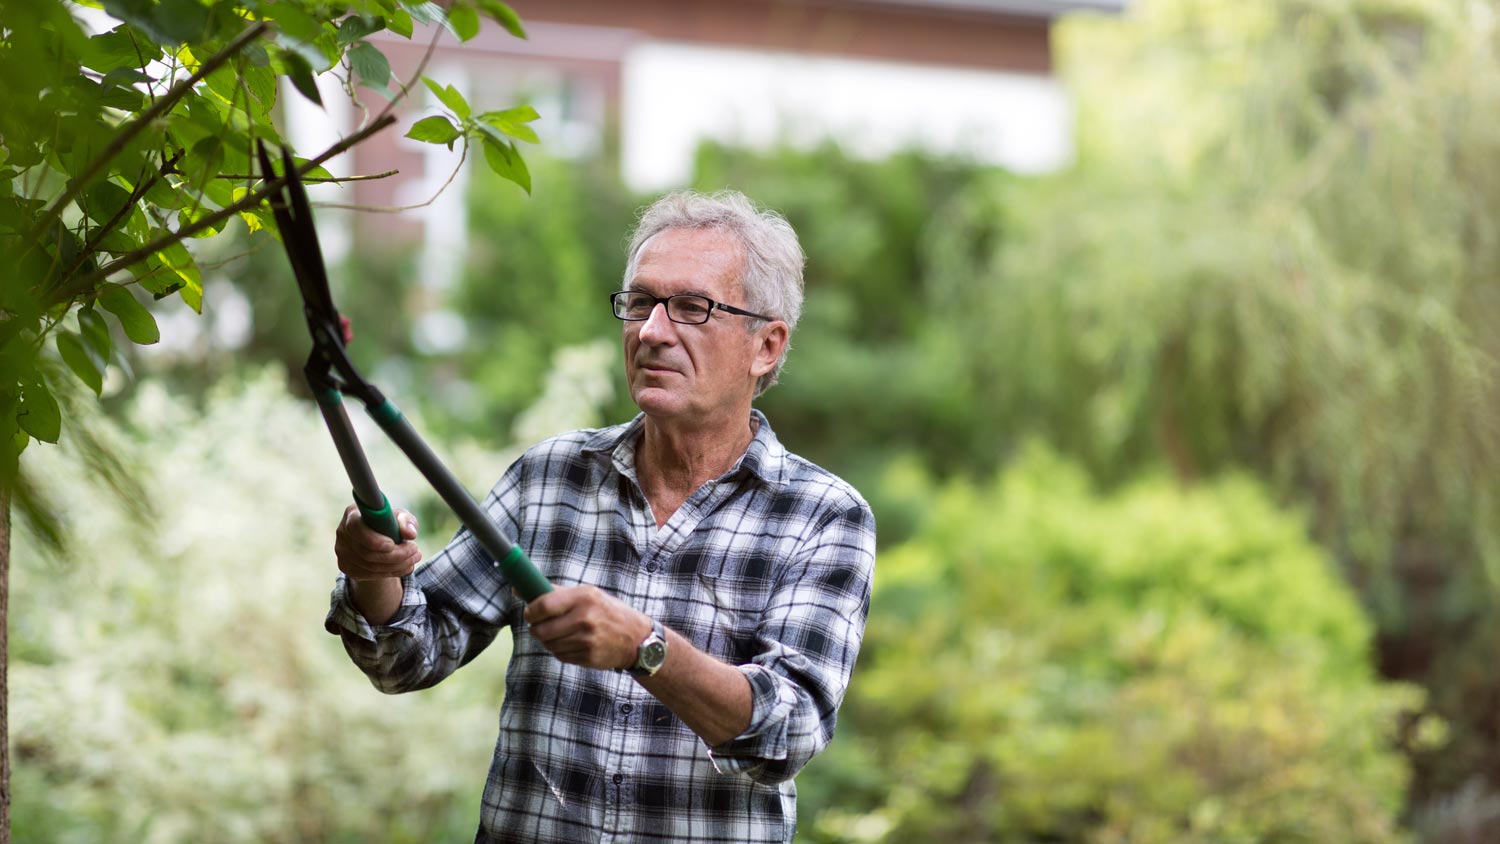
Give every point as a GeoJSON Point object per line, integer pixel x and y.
{"type": "Point", "coordinates": [1045, 663]}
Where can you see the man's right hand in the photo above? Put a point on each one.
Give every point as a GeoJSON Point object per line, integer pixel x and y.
{"type": "Point", "coordinates": [365, 554]}
{"type": "Point", "coordinates": [374, 564]}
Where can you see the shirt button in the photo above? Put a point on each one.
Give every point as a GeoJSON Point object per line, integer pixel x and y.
{"type": "Point", "coordinates": [619, 778]}
{"type": "Point", "coordinates": [651, 567]}
{"type": "Point", "coordinates": [625, 708]}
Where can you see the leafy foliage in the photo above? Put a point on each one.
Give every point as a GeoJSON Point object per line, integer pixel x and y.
{"type": "Point", "coordinates": [1273, 254]}
{"type": "Point", "coordinates": [118, 147]}
{"type": "Point", "coordinates": [1045, 663]}
{"type": "Point", "coordinates": [1276, 252]}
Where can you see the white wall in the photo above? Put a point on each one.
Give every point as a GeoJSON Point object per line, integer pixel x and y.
{"type": "Point", "coordinates": [676, 95]}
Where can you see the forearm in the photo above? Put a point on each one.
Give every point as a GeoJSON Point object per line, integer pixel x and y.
{"type": "Point", "coordinates": [711, 697]}
{"type": "Point", "coordinates": [377, 599]}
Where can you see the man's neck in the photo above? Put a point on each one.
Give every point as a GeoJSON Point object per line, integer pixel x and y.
{"type": "Point", "coordinates": [676, 458]}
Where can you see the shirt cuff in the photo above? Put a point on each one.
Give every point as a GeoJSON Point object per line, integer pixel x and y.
{"type": "Point", "coordinates": [771, 703]}
{"type": "Point", "coordinates": [344, 617]}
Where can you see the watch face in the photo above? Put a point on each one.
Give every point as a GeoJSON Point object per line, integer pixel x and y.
{"type": "Point", "coordinates": [653, 655]}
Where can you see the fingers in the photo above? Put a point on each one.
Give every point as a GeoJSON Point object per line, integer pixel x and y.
{"type": "Point", "coordinates": [354, 525]}
{"type": "Point", "coordinates": [552, 604]}
{"type": "Point", "coordinates": [585, 626]}
{"type": "Point", "coordinates": [365, 554]}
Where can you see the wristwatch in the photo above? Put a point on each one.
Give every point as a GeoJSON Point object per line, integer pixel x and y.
{"type": "Point", "coordinates": [652, 652]}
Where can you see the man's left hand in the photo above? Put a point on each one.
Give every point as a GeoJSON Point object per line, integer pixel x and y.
{"type": "Point", "coordinates": [584, 626]}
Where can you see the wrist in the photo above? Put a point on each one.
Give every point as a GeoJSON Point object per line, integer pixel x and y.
{"type": "Point", "coordinates": [372, 579]}
{"type": "Point", "coordinates": [651, 651]}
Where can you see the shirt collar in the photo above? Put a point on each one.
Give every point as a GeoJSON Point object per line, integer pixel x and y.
{"type": "Point", "coordinates": [765, 458]}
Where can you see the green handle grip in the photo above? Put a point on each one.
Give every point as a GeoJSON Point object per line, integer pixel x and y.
{"type": "Point", "coordinates": [513, 563]}
{"type": "Point", "coordinates": [381, 519]}
{"type": "Point", "coordinates": [523, 575]}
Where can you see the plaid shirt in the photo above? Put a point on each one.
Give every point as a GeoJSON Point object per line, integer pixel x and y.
{"type": "Point", "coordinates": [767, 567]}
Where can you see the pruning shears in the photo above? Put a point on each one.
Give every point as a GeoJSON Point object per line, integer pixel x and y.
{"type": "Point", "coordinates": [330, 374]}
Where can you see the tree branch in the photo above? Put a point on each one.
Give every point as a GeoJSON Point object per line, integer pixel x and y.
{"type": "Point", "coordinates": [416, 74]}
{"type": "Point", "coordinates": [103, 231]}
{"type": "Point", "coordinates": [87, 282]}
{"type": "Point", "coordinates": [395, 209]}
{"type": "Point", "coordinates": [315, 180]}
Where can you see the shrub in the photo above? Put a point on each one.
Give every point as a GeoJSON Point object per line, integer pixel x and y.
{"type": "Point", "coordinates": [171, 680]}
{"type": "Point", "coordinates": [1047, 663]}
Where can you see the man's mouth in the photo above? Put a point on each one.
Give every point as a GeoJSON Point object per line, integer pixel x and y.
{"type": "Point", "coordinates": [655, 368]}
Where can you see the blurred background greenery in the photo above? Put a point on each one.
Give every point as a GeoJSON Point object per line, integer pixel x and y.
{"type": "Point", "coordinates": [1185, 461]}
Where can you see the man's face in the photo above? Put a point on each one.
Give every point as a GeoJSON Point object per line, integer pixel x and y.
{"type": "Point", "coordinates": [695, 372]}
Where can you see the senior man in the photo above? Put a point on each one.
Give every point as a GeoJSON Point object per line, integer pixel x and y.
{"type": "Point", "coordinates": [712, 586]}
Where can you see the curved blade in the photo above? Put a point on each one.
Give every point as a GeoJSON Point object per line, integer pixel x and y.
{"type": "Point", "coordinates": [300, 239]}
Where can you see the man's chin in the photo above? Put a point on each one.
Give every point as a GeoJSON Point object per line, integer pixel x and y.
{"type": "Point", "coordinates": [658, 402]}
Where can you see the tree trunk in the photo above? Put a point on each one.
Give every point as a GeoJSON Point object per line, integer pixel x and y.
{"type": "Point", "coordinates": [4, 659]}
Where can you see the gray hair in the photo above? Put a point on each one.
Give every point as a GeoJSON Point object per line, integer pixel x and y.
{"type": "Point", "coordinates": [772, 276]}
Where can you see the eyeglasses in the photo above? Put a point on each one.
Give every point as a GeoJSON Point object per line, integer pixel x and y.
{"type": "Point", "coordinates": [686, 308]}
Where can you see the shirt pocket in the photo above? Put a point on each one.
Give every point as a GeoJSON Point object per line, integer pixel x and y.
{"type": "Point", "coordinates": [719, 599]}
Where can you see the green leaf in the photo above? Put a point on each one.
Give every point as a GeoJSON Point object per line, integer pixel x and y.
{"type": "Point", "coordinates": [123, 99]}
{"type": "Point", "coordinates": [194, 213]}
{"type": "Point", "coordinates": [293, 21]}
{"type": "Point", "coordinates": [141, 15]}
{"type": "Point", "coordinates": [124, 77]}
{"type": "Point", "coordinates": [183, 20]}
{"type": "Point", "coordinates": [465, 21]}
{"type": "Point", "coordinates": [356, 27]}
{"type": "Point", "coordinates": [371, 64]}
{"type": "Point", "coordinates": [180, 262]}
{"type": "Point", "coordinates": [204, 161]}
{"type": "Point", "coordinates": [255, 53]}
{"type": "Point", "coordinates": [319, 172]}
{"type": "Point", "coordinates": [262, 84]}
{"type": "Point", "coordinates": [95, 332]}
{"type": "Point", "coordinates": [519, 114]}
{"type": "Point", "coordinates": [429, 13]}
{"type": "Point", "coordinates": [115, 51]}
{"type": "Point", "coordinates": [434, 130]}
{"type": "Point", "coordinates": [256, 218]}
{"type": "Point", "coordinates": [104, 200]}
{"type": "Point", "coordinates": [496, 135]}
{"type": "Point", "coordinates": [39, 414]}
{"type": "Point", "coordinates": [139, 324]}
{"type": "Point", "coordinates": [505, 122]}
{"type": "Point", "coordinates": [503, 15]}
{"type": "Point", "coordinates": [85, 362]}
{"type": "Point", "coordinates": [299, 70]}
{"type": "Point", "coordinates": [503, 159]}
{"type": "Point", "coordinates": [400, 23]}
{"type": "Point", "coordinates": [225, 82]}
{"type": "Point", "coordinates": [450, 97]}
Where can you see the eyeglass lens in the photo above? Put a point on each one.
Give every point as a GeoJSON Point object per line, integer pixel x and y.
{"type": "Point", "coordinates": [684, 307]}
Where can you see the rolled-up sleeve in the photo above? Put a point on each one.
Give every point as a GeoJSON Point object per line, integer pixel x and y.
{"type": "Point", "coordinates": [809, 637]}
{"type": "Point", "coordinates": [452, 607]}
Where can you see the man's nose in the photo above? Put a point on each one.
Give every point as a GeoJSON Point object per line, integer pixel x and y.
{"type": "Point", "coordinates": [658, 328]}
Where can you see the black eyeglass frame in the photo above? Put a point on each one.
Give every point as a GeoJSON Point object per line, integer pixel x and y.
{"type": "Point", "coordinates": [614, 300]}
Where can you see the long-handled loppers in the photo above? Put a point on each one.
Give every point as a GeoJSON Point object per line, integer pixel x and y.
{"type": "Point", "coordinates": [330, 374]}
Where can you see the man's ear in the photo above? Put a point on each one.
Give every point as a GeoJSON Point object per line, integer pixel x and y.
{"type": "Point", "coordinates": [771, 341]}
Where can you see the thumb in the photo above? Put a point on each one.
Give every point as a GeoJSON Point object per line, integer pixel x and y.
{"type": "Point", "coordinates": [408, 524]}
